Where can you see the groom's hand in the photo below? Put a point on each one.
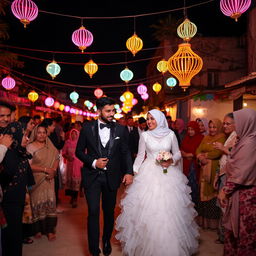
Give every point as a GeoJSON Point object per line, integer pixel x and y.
{"type": "Point", "coordinates": [128, 179]}
{"type": "Point", "coordinates": [101, 163]}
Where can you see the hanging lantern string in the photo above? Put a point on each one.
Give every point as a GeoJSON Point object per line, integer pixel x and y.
{"type": "Point", "coordinates": [185, 10]}
{"type": "Point", "coordinates": [82, 64]}
{"type": "Point", "coordinates": [134, 24]}
{"type": "Point", "coordinates": [149, 79]}
{"type": "Point", "coordinates": [127, 16]}
{"type": "Point", "coordinates": [63, 52]}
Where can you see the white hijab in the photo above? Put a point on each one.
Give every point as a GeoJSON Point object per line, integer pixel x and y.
{"type": "Point", "coordinates": [162, 126]}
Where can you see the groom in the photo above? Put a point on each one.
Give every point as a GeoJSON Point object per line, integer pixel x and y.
{"type": "Point", "coordinates": [103, 148]}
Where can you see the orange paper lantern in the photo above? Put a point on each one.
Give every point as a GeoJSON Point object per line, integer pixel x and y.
{"type": "Point", "coordinates": [185, 64]}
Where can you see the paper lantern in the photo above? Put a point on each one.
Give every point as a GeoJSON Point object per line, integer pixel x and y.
{"type": "Point", "coordinates": [122, 99]}
{"type": "Point", "coordinates": [186, 30]}
{"type": "Point", "coordinates": [157, 87]}
{"type": "Point", "coordinates": [8, 83]}
{"type": "Point", "coordinates": [49, 101]}
{"type": "Point", "coordinates": [74, 96]}
{"type": "Point", "coordinates": [56, 105]}
{"type": "Point", "coordinates": [128, 96]}
{"type": "Point", "coordinates": [234, 8]}
{"type": "Point", "coordinates": [162, 66]}
{"type": "Point", "coordinates": [145, 96]}
{"type": "Point", "coordinates": [90, 68]}
{"type": "Point", "coordinates": [141, 89]}
{"type": "Point", "coordinates": [134, 44]}
{"type": "Point", "coordinates": [126, 75]}
{"type": "Point", "coordinates": [98, 93]}
{"type": "Point", "coordinates": [33, 96]}
{"type": "Point", "coordinates": [184, 65]}
{"type": "Point", "coordinates": [67, 108]}
{"type": "Point", "coordinates": [24, 10]}
{"type": "Point", "coordinates": [53, 69]}
{"type": "Point", "coordinates": [171, 82]}
{"type": "Point", "coordinates": [61, 107]}
{"type": "Point", "coordinates": [134, 101]}
{"type": "Point", "coordinates": [82, 38]}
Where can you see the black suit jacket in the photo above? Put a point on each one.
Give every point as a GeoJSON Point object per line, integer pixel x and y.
{"type": "Point", "coordinates": [88, 149]}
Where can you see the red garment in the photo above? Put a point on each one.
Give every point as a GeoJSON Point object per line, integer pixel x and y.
{"type": "Point", "coordinates": [244, 245]}
{"type": "Point", "coordinates": [189, 145]}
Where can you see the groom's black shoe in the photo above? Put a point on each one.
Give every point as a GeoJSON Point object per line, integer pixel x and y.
{"type": "Point", "coordinates": [107, 249]}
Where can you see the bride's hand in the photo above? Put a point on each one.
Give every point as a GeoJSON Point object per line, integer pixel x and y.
{"type": "Point", "coordinates": [167, 163]}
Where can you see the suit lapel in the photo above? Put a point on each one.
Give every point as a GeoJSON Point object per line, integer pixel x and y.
{"type": "Point", "coordinates": [112, 138]}
{"type": "Point", "coordinates": [95, 133]}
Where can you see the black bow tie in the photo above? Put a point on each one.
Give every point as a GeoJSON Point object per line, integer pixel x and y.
{"type": "Point", "coordinates": [108, 125]}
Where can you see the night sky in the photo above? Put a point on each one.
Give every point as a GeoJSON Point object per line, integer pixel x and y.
{"type": "Point", "coordinates": [53, 33]}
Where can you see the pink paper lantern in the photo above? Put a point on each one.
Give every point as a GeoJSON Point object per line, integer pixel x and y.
{"type": "Point", "coordinates": [82, 38]}
{"type": "Point", "coordinates": [141, 89]}
{"type": "Point", "coordinates": [145, 96]}
{"type": "Point", "coordinates": [24, 10]}
{"type": "Point", "coordinates": [67, 108]}
{"type": "Point", "coordinates": [134, 101]}
{"type": "Point", "coordinates": [98, 93]}
{"type": "Point", "coordinates": [234, 8]}
{"type": "Point", "coordinates": [49, 101]}
{"type": "Point", "coordinates": [8, 83]}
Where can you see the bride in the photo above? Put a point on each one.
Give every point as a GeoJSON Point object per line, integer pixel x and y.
{"type": "Point", "coordinates": [157, 217]}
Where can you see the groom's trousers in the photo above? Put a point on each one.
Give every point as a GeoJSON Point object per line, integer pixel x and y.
{"type": "Point", "coordinates": [99, 189]}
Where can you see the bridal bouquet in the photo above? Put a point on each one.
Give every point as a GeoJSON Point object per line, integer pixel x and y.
{"type": "Point", "coordinates": [163, 156]}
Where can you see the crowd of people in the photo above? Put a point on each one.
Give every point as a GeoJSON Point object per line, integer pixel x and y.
{"type": "Point", "coordinates": [210, 181]}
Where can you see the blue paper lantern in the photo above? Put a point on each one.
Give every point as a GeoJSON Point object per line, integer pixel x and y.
{"type": "Point", "coordinates": [126, 75]}
{"type": "Point", "coordinates": [53, 69]}
{"type": "Point", "coordinates": [171, 82]}
{"type": "Point", "coordinates": [74, 96]}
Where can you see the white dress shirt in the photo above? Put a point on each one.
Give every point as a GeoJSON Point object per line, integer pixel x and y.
{"type": "Point", "coordinates": [104, 135]}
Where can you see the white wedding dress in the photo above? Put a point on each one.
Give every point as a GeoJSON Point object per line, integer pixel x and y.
{"type": "Point", "coordinates": [157, 217]}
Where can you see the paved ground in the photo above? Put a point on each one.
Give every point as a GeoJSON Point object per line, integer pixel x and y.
{"type": "Point", "coordinates": [72, 240]}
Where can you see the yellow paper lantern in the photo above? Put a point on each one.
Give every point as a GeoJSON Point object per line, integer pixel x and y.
{"type": "Point", "coordinates": [185, 64]}
{"type": "Point", "coordinates": [128, 96]}
{"type": "Point", "coordinates": [186, 30]}
{"type": "Point", "coordinates": [157, 87]}
{"type": "Point", "coordinates": [90, 68]}
{"type": "Point", "coordinates": [134, 44]}
{"type": "Point", "coordinates": [33, 96]}
{"type": "Point", "coordinates": [61, 107]}
{"type": "Point", "coordinates": [162, 66]}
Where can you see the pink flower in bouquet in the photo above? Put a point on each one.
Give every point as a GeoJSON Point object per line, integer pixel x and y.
{"type": "Point", "coordinates": [162, 157]}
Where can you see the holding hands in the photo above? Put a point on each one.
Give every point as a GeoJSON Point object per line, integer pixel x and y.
{"type": "Point", "coordinates": [166, 163]}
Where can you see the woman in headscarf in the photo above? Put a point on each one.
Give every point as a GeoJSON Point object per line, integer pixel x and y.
{"type": "Point", "coordinates": [220, 178]}
{"type": "Point", "coordinates": [188, 149]}
{"type": "Point", "coordinates": [157, 212]}
{"type": "Point", "coordinates": [73, 167]}
{"type": "Point", "coordinates": [203, 125]}
{"type": "Point", "coordinates": [44, 163]}
{"type": "Point", "coordinates": [239, 193]}
{"type": "Point", "coordinates": [208, 157]}
{"type": "Point", "coordinates": [16, 175]}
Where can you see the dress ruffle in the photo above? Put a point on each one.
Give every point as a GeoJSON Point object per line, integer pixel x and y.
{"type": "Point", "coordinates": [157, 217]}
